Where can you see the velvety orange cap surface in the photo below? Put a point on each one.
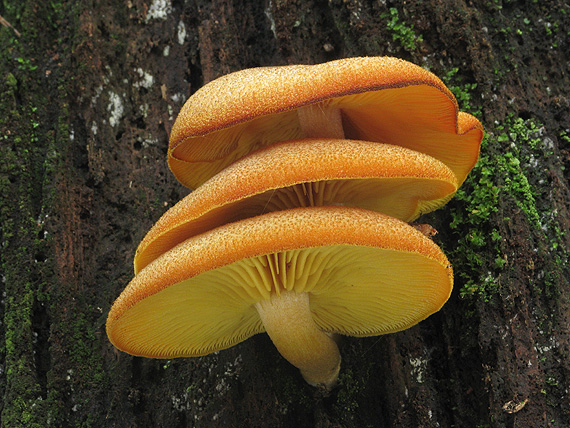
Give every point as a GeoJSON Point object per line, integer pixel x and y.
{"type": "Point", "coordinates": [381, 99]}
{"type": "Point", "coordinates": [390, 179]}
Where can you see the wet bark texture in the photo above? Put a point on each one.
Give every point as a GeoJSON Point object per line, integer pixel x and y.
{"type": "Point", "coordinates": [89, 94]}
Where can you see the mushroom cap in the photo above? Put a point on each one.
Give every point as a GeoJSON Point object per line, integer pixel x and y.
{"type": "Point", "coordinates": [366, 274]}
{"type": "Point", "coordinates": [381, 99]}
{"type": "Point", "coordinates": [391, 179]}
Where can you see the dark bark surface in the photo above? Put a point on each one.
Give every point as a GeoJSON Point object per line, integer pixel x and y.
{"type": "Point", "coordinates": [90, 91]}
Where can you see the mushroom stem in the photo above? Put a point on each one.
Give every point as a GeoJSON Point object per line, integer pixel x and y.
{"type": "Point", "coordinates": [289, 323]}
{"type": "Point", "coordinates": [318, 121]}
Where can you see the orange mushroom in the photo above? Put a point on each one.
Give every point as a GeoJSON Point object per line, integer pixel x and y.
{"type": "Point", "coordinates": [390, 179]}
{"type": "Point", "coordinates": [300, 275]}
{"type": "Point", "coordinates": [377, 99]}
{"type": "Point", "coordinates": [306, 177]}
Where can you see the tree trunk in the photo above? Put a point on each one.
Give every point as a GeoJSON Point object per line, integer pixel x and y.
{"type": "Point", "coordinates": [90, 91]}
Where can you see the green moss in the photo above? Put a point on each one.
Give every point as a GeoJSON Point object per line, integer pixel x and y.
{"type": "Point", "coordinates": [348, 393]}
{"type": "Point", "coordinates": [511, 172]}
{"type": "Point", "coordinates": [463, 91]}
{"type": "Point", "coordinates": [514, 165]}
{"type": "Point", "coordinates": [511, 175]}
{"type": "Point", "coordinates": [401, 32]}
{"type": "Point", "coordinates": [21, 284]}
{"type": "Point", "coordinates": [26, 176]}
{"type": "Point", "coordinates": [22, 252]}
{"type": "Point", "coordinates": [476, 238]}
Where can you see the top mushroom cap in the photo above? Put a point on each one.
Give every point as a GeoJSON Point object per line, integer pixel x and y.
{"type": "Point", "coordinates": [380, 99]}
{"type": "Point", "coordinates": [390, 179]}
{"type": "Point", "coordinates": [366, 274]}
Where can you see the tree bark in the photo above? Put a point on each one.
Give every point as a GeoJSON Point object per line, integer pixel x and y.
{"type": "Point", "coordinates": [90, 91]}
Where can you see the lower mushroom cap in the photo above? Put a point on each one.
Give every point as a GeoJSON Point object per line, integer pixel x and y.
{"type": "Point", "coordinates": [390, 179]}
{"type": "Point", "coordinates": [365, 273]}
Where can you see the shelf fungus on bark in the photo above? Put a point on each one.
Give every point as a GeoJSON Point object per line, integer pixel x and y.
{"type": "Point", "coordinates": [301, 275]}
{"type": "Point", "coordinates": [379, 99]}
{"type": "Point", "coordinates": [390, 179]}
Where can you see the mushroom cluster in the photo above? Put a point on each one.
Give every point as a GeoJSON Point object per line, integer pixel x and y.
{"type": "Point", "coordinates": [306, 179]}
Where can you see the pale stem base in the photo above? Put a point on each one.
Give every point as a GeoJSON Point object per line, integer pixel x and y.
{"type": "Point", "coordinates": [289, 323]}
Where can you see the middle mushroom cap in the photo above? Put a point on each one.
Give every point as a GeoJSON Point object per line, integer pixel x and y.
{"type": "Point", "coordinates": [394, 180]}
